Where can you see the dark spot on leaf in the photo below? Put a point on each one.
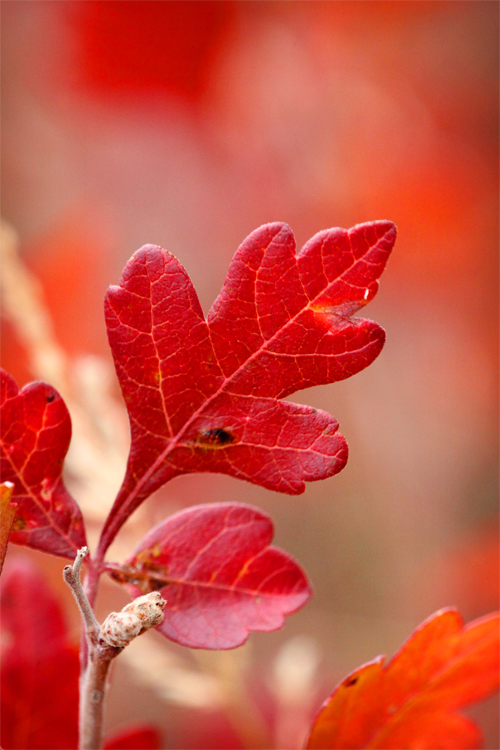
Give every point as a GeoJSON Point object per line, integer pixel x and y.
{"type": "Point", "coordinates": [119, 577]}
{"type": "Point", "coordinates": [50, 397]}
{"type": "Point", "coordinates": [147, 577]}
{"type": "Point", "coordinates": [352, 681]}
{"type": "Point", "coordinates": [216, 438]}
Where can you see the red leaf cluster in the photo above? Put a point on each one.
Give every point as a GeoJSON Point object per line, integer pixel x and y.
{"type": "Point", "coordinates": [411, 701]}
{"type": "Point", "coordinates": [206, 395]}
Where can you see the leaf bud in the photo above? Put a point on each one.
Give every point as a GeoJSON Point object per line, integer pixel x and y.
{"type": "Point", "coordinates": [119, 628]}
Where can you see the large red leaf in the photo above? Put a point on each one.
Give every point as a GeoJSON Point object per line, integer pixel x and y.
{"type": "Point", "coordinates": [221, 579]}
{"type": "Point", "coordinates": [35, 435]}
{"type": "Point", "coordinates": [202, 395]}
{"type": "Point", "coordinates": [411, 701]}
{"type": "Point", "coordinates": [39, 673]}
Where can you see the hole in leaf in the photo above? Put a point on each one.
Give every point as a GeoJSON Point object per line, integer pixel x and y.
{"type": "Point", "coordinates": [217, 437]}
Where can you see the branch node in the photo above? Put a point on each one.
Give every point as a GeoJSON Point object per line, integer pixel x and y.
{"type": "Point", "coordinates": [119, 628]}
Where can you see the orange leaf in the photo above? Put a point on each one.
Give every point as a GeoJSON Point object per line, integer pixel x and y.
{"type": "Point", "coordinates": [7, 516]}
{"type": "Point", "coordinates": [410, 701]}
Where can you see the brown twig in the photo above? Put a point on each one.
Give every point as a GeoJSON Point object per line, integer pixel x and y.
{"type": "Point", "coordinates": [94, 678]}
{"type": "Point", "coordinates": [93, 687]}
{"type": "Point", "coordinates": [104, 643]}
{"type": "Point", "coordinates": [71, 575]}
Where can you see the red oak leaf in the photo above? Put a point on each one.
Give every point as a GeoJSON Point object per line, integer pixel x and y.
{"type": "Point", "coordinates": [39, 674]}
{"type": "Point", "coordinates": [221, 579]}
{"type": "Point", "coordinates": [203, 395]}
{"type": "Point", "coordinates": [35, 435]}
{"type": "Point", "coordinates": [411, 701]}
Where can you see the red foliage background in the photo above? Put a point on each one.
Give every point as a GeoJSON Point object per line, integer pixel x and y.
{"type": "Point", "coordinates": [188, 125]}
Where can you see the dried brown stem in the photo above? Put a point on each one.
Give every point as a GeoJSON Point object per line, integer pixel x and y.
{"type": "Point", "coordinates": [71, 574]}
{"type": "Point", "coordinates": [104, 643]}
{"type": "Point", "coordinates": [93, 680]}
{"type": "Point", "coordinates": [93, 687]}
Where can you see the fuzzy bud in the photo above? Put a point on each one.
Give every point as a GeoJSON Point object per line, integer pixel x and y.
{"type": "Point", "coordinates": [119, 628]}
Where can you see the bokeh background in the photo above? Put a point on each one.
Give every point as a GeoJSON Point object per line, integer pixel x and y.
{"type": "Point", "coordinates": [189, 124]}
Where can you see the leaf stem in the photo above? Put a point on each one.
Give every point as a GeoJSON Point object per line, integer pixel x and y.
{"type": "Point", "coordinates": [71, 574]}
{"type": "Point", "coordinates": [93, 688]}
{"type": "Point", "coordinates": [90, 589]}
{"type": "Point", "coordinates": [97, 660]}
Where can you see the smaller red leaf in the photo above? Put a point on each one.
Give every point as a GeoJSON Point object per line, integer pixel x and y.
{"type": "Point", "coordinates": [35, 436]}
{"type": "Point", "coordinates": [141, 737]}
{"type": "Point", "coordinates": [8, 512]}
{"type": "Point", "coordinates": [410, 701]}
{"type": "Point", "coordinates": [221, 579]}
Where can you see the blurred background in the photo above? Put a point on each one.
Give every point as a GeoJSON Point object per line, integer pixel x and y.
{"type": "Point", "coordinates": [189, 124]}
